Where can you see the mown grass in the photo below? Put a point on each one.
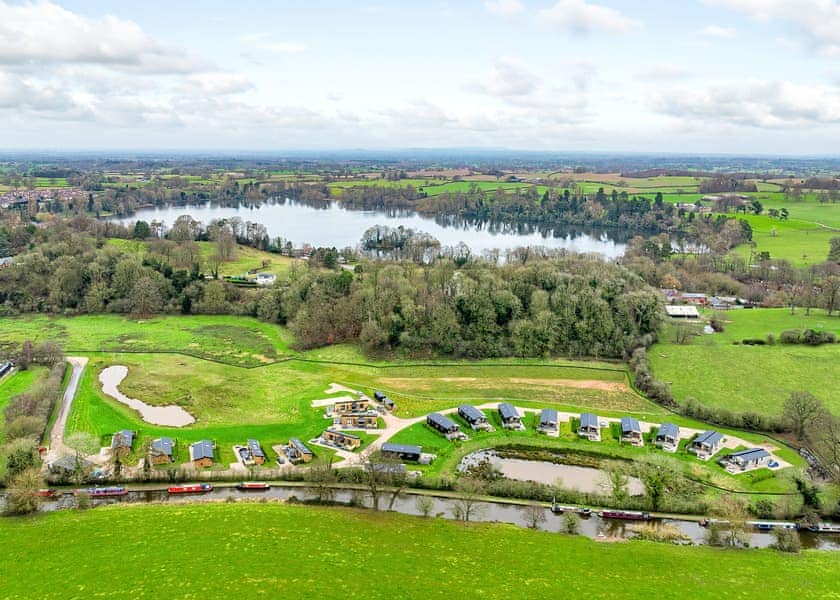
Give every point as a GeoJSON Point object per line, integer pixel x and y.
{"type": "Point", "coordinates": [450, 453]}
{"type": "Point", "coordinates": [18, 382]}
{"type": "Point", "coordinates": [235, 340]}
{"type": "Point", "coordinates": [254, 550]}
{"type": "Point", "coordinates": [717, 372]}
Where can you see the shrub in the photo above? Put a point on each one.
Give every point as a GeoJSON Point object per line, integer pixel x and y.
{"type": "Point", "coordinates": [790, 336]}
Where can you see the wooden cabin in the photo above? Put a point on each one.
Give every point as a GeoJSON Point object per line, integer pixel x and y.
{"type": "Point", "coordinates": [631, 431]}
{"type": "Point", "coordinates": [256, 452]}
{"type": "Point", "coordinates": [668, 436]}
{"type": "Point", "coordinates": [473, 416]}
{"type": "Point", "coordinates": [510, 416]}
{"type": "Point", "coordinates": [549, 421]}
{"type": "Point", "coordinates": [402, 451]}
{"type": "Point", "coordinates": [364, 420]}
{"type": "Point", "coordinates": [201, 453]}
{"type": "Point", "coordinates": [343, 407]}
{"type": "Point", "coordinates": [297, 452]}
{"type": "Point", "coordinates": [443, 424]}
{"type": "Point", "coordinates": [161, 451]}
{"type": "Point", "coordinates": [589, 427]}
{"type": "Point", "coordinates": [707, 443]}
{"type": "Point", "coordinates": [345, 441]}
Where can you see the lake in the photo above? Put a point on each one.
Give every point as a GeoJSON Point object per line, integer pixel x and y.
{"type": "Point", "coordinates": [334, 226]}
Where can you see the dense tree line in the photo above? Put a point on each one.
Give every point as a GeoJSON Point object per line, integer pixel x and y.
{"type": "Point", "coordinates": [533, 306]}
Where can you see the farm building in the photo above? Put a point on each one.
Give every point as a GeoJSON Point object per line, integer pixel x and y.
{"type": "Point", "coordinates": [343, 407]}
{"type": "Point", "coordinates": [256, 452]}
{"type": "Point", "coordinates": [443, 424]}
{"type": "Point", "coordinates": [360, 420]}
{"type": "Point", "coordinates": [122, 440]}
{"type": "Point", "coordinates": [345, 441]}
{"type": "Point", "coordinates": [682, 312]}
{"type": "Point", "coordinates": [589, 427]}
{"type": "Point", "coordinates": [510, 417]}
{"type": "Point", "coordinates": [402, 451]}
{"type": "Point", "coordinates": [668, 436]}
{"type": "Point", "coordinates": [201, 453]}
{"type": "Point", "coordinates": [474, 417]}
{"type": "Point", "coordinates": [631, 431]}
{"type": "Point", "coordinates": [747, 459]}
{"type": "Point", "coordinates": [298, 452]}
{"type": "Point", "coordinates": [162, 451]}
{"type": "Point", "coordinates": [707, 443]}
{"type": "Point", "coordinates": [548, 421]}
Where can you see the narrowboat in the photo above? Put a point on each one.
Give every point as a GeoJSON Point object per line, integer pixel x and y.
{"type": "Point", "coordinates": [195, 488]}
{"type": "Point", "coordinates": [102, 492]}
{"type": "Point", "coordinates": [580, 510]}
{"type": "Point", "coordinates": [771, 525]}
{"type": "Point", "coordinates": [626, 515]}
{"type": "Point", "coordinates": [47, 493]}
{"type": "Point", "coordinates": [824, 528]}
{"type": "Point", "coordinates": [253, 485]}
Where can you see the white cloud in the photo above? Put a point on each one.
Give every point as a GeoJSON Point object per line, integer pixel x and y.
{"type": "Point", "coordinates": [219, 83]}
{"type": "Point", "coordinates": [45, 33]}
{"type": "Point", "coordinates": [504, 8]}
{"type": "Point", "coordinates": [509, 78]}
{"type": "Point", "coordinates": [662, 72]}
{"type": "Point", "coordinates": [581, 17]}
{"type": "Point", "coordinates": [817, 20]}
{"type": "Point", "coordinates": [716, 31]}
{"type": "Point", "coordinates": [264, 41]}
{"type": "Point", "coordinates": [755, 103]}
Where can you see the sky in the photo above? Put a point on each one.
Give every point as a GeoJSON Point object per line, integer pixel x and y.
{"type": "Point", "coordinates": [687, 76]}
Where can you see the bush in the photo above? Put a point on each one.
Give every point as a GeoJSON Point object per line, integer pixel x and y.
{"type": "Point", "coordinates": [790, 336]}
{"type": "Point", "coordinates": [787, 540]}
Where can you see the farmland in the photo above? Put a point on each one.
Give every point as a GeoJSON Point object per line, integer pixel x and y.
{"type": "Point", "coordinates": [332, 554]}
{"type": "Point", "coordinates": [717, 372]}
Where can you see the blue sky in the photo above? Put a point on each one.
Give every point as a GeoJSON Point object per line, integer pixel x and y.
{"type": "Point", "coordinates": [729, 76]}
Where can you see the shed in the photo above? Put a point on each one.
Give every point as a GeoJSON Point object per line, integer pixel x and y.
{"type": "Point", "coordinates": [682, 312]}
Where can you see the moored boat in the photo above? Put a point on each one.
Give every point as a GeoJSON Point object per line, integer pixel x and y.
{"type": "Point", "coordinates": [253, 485]}
{"type": "Point", "coordinates": [771, 525]}
{"type": "Point", "coordinates": [824, 528]}
{"type": "Point", "coordinates": [100, 492]}
{"type": "Point", "coordinates": [46, 493]}
{"type": "Point", "coordinates": [627, 515]}
{"type": "Point", "coordinates": [196, 488]}
{"type": "Point", "coordinates": [579, 510]}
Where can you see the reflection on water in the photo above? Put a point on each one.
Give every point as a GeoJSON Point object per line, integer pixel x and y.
{"type": "Point", "coordinates": [327, 224]}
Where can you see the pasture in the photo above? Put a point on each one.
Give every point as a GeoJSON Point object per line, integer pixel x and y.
{"type": "Point", "coordinates": [353, 553]}
{"type": "Point", "coordinates": [717, 372]}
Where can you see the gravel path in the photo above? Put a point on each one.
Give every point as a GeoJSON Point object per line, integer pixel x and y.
{"type": "Point", "coordinates": [57, 447]}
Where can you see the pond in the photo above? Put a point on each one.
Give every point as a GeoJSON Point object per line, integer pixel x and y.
{"type": "Point", "coordinates": [570, 477]}
{"type": "Point", "coordinates": [333, 226]}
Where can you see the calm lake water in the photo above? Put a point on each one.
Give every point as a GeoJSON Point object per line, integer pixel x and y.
{"type": "Point", "coordinates": [339, 227]}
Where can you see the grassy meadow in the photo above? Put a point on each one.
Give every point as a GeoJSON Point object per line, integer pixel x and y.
{"type": "Point", "coordinates": [717, 372]}
{"type": "Point", "coordinates": [18, 382]}
{"type": "Point", "coordinates": [238, 341]}
{"type": "Point", "coordinates": [267, 550]}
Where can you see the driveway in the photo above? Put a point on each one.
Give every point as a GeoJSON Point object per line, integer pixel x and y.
{"type": "Point", "coordinates": [57, 447]}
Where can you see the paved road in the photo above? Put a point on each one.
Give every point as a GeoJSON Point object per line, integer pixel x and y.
{"type": "Point", "coordinates": [57, 447]}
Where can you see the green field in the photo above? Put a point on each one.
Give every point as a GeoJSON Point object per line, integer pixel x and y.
{"type": "Point", "coordinates": [18, 383]}
{"type": "Point", "coordinates": [272, 550]}
{"type": "Point", "coordinates": [234, 340]}
{"type": "Point", "coordinates": [751, 378]}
